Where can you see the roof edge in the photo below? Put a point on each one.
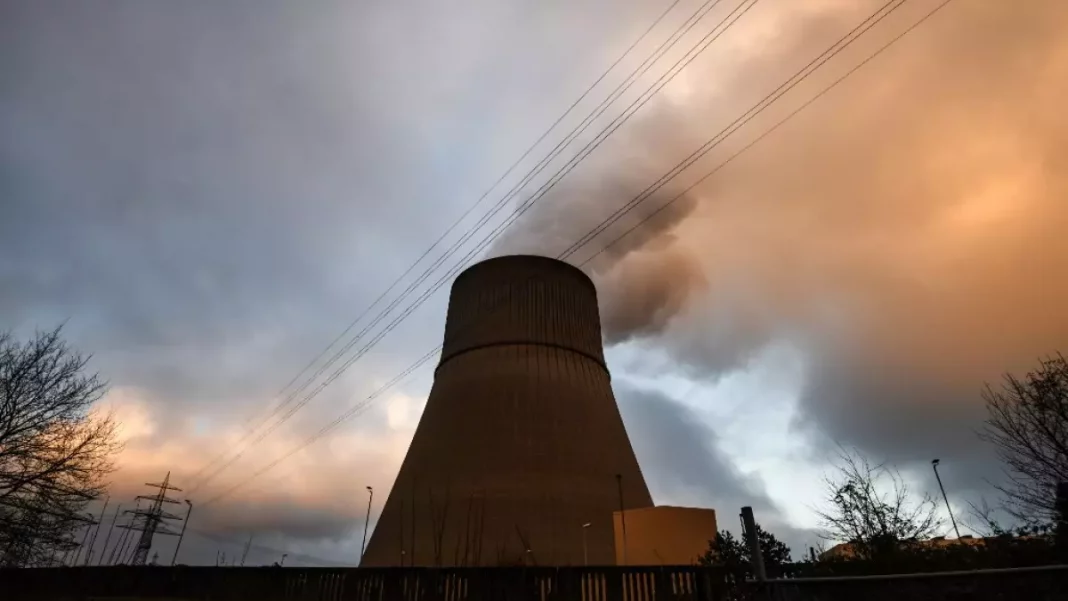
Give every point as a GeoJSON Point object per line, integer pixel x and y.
{"type": "Point", "coordinates": [528, 258]}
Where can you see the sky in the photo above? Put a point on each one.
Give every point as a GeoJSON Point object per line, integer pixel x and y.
{"type": "Point", "coordinates": [207, 194]}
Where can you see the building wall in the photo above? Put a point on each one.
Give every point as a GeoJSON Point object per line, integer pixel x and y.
{"type": "Point", "coordinates": [663, 535]}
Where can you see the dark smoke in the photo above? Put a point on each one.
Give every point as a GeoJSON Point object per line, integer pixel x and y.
{"type": "Point", "coordinates": [643, 278]}
{"type": "Point", "coordinates": [905, 233]}
{"type": "Point", "coordinates": [645, 289]}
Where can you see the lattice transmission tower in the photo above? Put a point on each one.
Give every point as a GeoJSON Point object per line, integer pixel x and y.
{"type": "Point", "coordinates": [152, 520]}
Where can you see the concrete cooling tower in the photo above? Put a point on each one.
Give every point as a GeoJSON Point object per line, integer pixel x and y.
{"type": "Point", "coordinates": [521, 441]}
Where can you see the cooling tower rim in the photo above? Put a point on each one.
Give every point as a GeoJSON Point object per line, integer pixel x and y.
{"type": "Point", "coordinates": [562, 266]}
{"type": "Point", "coordinates": [446, 358]}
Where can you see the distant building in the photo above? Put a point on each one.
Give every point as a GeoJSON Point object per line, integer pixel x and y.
{"type": "Point", "coordinates": [848, 550]}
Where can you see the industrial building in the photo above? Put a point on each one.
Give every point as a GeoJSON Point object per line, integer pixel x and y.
{"type": "Point", "coordinates": [663, 535]}
{"type": "Point", "coordinates": [521, 456]}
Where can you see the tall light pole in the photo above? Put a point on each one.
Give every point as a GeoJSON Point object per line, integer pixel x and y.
{"type": "Point", "coordinates": [188, 512]}
{"type": "Point", "coordinates": [585, 549]}
{"type": "Point", "coordinates": [366, 522]}
{"type": "Point", "coordinates": [934, 466]}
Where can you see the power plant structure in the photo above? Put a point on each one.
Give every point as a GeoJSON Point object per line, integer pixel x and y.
{"type": "Point", "coordinates": [521, 455]}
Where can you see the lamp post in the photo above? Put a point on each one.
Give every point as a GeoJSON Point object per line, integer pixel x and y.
{"type": "Point", "coordinates": [366, 522]}
{"type": "Point", "coordinates": [585, 550]}
{"type": "Point", "coordinates": [934, 466]}
{"type": "Point", "coordinates": [188, 512]}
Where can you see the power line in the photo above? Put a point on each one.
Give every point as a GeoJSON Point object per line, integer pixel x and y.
{"type": "Point", "coordinates": [434, 245]}
{"type": "Point", "coordinates": [636, 105]}
{"type": "Point", "coordinates": [588, 149]}
{"type": "Point", "coordinates": [701, 45]}
{"type": "Point", "coordinates": [486, 241]}
{"type": "Point", "coordinates": [773, 128]}
{"type": "Point", "coordinates": [359, 407]}
{"type": "Point", "coordinates": [497, 207]}
{"type": "Point", "coordinates": [352, 412]}
{"type": "Point", "coordinates": [840, 45]}
{"type": "Point", "coordinates": [422, 360]}
{"type": "Point", "coordinates": [437, 242]}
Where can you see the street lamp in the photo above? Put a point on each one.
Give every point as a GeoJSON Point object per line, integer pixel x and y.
{"type": "Point", "coordinates": [585, 550]}
{"type": "Point", "coordinates": [182, 535]}
{"type": "Point", "coordinates": [934, 466]}
{"type": "Point", "coordinates": [366, 522]}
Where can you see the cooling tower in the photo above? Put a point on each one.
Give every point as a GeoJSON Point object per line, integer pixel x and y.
{"type": "Point", "coordinates": [521, 440]}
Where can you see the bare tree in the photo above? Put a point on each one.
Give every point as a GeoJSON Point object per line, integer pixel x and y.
{"type": "Point", "coordinates": [873, 509]}
{"type": "Point", "coordinates": [981, 519]}
{"type": "Point", "coordinates": [55, 450]}
{"type": "Point", "coordinates": [1027, 422]}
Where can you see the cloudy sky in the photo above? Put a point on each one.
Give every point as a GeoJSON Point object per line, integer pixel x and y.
{"type": "Point", "coordinates": [209, 193]}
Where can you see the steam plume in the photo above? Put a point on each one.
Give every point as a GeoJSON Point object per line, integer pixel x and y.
{"type": "Point", "coordinates": [906, 232]}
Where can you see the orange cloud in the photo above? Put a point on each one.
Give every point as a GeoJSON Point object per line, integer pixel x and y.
{"type": "Point", "coordinates": [321, 479]}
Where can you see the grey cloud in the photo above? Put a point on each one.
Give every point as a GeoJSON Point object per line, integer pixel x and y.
{"type": "Point", "coordinates": [678, 453]}
{"type": "Point", "coordinates": [204, 547]}
{"type": "Point", "coordinates": [282, 508]}
{"type": "Point", "coordinates": [283, 521]}
{"type": "Point", "coordinates": [183, 183]}
{"type": "Point", "coordinates": [681, 461]}
{"type": "Point", "coordinates": [209, 193]}
{"type": "Point", "coordinates": [906, 421]}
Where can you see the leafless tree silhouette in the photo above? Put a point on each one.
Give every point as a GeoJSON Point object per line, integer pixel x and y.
{"type": "Point", "coordinates": [1027, 421]}
{"type": "Point", "coordinates": [55, 450]}
{"type": "Point", "coordinates": [873, 509]}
